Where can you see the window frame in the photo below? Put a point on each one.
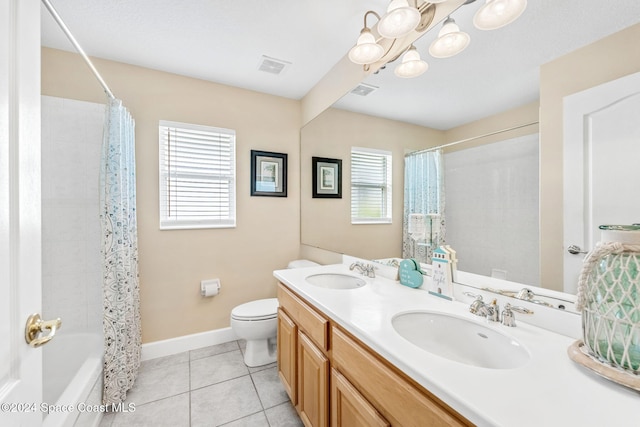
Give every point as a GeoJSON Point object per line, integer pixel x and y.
{"type": "Point", "coordinates": [168, 223]}
{"type": "Point", "coordinates": [387, 187]}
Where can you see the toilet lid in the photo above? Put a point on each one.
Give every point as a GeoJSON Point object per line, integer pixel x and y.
{"type": "Point", "coordinates": [261, 309]}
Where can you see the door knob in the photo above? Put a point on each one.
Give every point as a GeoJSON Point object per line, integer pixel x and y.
{"type": "Point", "coordinates": [35, 326]}
{"type": "Point", "coordinates": [575, 249]}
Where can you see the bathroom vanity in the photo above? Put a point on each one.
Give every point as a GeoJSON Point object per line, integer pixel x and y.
{"type": "Point", "coordinates": [345, 361]}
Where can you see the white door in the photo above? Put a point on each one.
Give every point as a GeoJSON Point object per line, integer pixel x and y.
{"type": "Point", "coordinates": [601, 166]}
{"type": "Point", "coordinates": [20, 364]}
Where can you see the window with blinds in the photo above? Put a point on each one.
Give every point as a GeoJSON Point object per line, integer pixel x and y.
{"type": "Point", "coordinates": [370, 186]}
{"type": "Point", "coordinates": [197, 176]}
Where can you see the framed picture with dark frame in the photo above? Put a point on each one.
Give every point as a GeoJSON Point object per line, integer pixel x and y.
{"type": "Point", "coordinates": [327, 178]}
{"type": "Point", "coordinates": [268, 174]}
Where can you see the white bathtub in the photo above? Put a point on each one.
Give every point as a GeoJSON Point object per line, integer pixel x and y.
{"type": "Point", "coordinates": [72, 374]}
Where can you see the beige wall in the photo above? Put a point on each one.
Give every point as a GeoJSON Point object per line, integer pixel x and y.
{"type": "Point", "coordinates": [172, 263]}
{"type": "Point", "coordinates": [605, 60]}
{"type": "Point", "coordinates": [326, 223]}
{"type": "Point", "coordinates": [511, 118]}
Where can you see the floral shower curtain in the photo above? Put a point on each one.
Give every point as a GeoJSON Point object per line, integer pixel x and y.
{"type": "Point", "coordinates": [121, 324]}
{"type": "Point", "coordinates": [424, 196]}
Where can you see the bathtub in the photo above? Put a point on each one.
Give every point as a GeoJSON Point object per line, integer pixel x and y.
{"type": "Point", "coordinates": [72, 375]}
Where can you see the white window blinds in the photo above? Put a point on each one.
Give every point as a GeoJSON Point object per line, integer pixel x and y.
{"type": "Point", "coordinates": [197, 176]}
{"type": "Point", "coordinates": [370, 186]}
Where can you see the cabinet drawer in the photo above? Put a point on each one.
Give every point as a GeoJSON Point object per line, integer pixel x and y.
{"type": "Point", "coordinates": [396, 398]}
{"type": "Point", "coordinates": [307, 319]}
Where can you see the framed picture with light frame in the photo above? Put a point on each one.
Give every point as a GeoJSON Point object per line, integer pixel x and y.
{"type": "Point", "coordinates": [268, 174]}
{"type": "Point", "coordinates": [326, 178]}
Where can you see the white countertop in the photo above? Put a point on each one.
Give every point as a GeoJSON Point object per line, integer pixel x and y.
{"type": "Point", "coordinates": [550, 390]}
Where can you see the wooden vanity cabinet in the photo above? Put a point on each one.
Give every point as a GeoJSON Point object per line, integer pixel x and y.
{"type": "Point", "coordinates": [303, 362]}
{"type": "Point", "coordinates": [400, 401]}
{"type": "Point", "coordinates": [313, 383]}
{"type": "Point", "coordinates": [331, 377]}
{"type": "Point", "coordinates": [349, 408]}
{"type": "Point", "coordinates": [287, 354]}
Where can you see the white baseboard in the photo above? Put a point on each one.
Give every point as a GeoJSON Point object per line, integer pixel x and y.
{"type": "Point", "coordinates": [176, 345]}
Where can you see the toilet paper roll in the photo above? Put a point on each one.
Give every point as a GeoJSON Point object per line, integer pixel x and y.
{"type": "Point", "coordinates": [209, 289]}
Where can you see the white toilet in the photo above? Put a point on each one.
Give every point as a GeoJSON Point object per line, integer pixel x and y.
{"type": "Point", "coordinates": [257, 323]}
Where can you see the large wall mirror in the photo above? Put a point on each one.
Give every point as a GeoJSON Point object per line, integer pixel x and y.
{"type": "Point", "coordinates": [325, 223]}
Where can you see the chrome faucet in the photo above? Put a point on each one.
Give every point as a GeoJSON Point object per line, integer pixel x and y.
{"type": "Point", "coordinates": [491, 311]}
{"type": "Point", "coordinates": [479, 308]}
{"type": "Point", "coordinates": [476, 305]}
{"type": "Point", "coordinates": [527, 294]}
{"type": "Point", "coordinates": [364, 269]}
{"type": "Point", "coordinates": [508, 318]}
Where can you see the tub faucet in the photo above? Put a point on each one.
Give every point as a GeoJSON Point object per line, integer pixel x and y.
{"type": "Point", "coordinates": [364, 269]}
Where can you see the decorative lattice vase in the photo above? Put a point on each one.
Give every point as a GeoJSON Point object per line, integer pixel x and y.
{"type": "Point", "coordinates": [609, 297]}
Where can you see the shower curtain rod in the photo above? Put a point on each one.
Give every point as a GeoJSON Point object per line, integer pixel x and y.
{"type": "Point", "coordinates": [449, 144]}
{"type": "Point", "coordinates": [75, 44]}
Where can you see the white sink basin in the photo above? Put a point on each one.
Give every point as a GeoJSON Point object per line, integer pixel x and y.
{"type": "Point", "coordinates": [461, 340]}
{"type": "Point", "coordinates": [336, 281]}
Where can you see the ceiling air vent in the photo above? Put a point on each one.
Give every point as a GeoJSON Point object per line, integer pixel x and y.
{"type": "Point", "coordinates": [272, 65]}
{"type": "Point", "coordinates": [364, 89]}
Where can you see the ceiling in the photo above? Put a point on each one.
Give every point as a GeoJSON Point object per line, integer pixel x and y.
{"type": "Point", "coordinates": [223, 41]}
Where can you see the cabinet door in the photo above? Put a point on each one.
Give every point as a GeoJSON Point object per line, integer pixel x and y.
{"type": "Point", "coordinates": [393, 395]}
{"type": "Point", "coordinates": [287, 355]}
{"type": "Point", "coordinates": [313, 387]}
{"type": "Point", "coordinates": [349, 408]}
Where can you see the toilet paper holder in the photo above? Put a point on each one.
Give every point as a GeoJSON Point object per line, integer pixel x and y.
{"type": "Point", "coordinates": [210, 288]}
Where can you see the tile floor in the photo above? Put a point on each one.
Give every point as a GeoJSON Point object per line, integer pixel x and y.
{"type": "Point", "coordinates": [210, 386]}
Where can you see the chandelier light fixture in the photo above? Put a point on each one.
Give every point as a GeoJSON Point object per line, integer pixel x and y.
{"type": "Point", "coordinates": [498, 13]}
{"type": "Point", "coordinates": [451, 41]}
{"type": "Point", "coordinates": [401, 19]}
{"type": "Point", "coordinates": [411, 65]}
{"type": "Point", "coordinates": [366, 50]}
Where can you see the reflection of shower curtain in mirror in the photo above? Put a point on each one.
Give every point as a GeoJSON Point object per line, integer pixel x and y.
{"type": "Point", "coordinates": [423, 195]}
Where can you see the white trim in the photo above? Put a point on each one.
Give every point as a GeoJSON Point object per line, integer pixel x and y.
{"type": "Point", "coordinates": [372, 151]}
{"type": "Point", "coordinates": [179, 219]}
{"type": "Point", "coordinates": [176, 345]}
{"type": "Point", "coordinates": [201, 128]}
{"type": "Point", "coordinates": [579, 110]}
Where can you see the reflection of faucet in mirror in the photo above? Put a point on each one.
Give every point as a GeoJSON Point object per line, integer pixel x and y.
{"type": "Point", "coordinates": [527, 294]}
{"type": "Point", "coordinates": [524, 294]}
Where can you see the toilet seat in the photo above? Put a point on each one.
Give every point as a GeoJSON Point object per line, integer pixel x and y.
{"type": "Point", "coordinates": [262, 309]}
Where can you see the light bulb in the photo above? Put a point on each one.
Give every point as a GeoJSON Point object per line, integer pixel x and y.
{"type": "Point", "coordinates": [366, 50]}
{"type": "Point", "coordinates": [399, 20]}
{"type": "Point", "coordinates": [498, 13]}
{"type": "Point", "coordinates": [412, 65]}
{"type": "Point", "coordinates": [450, 41]}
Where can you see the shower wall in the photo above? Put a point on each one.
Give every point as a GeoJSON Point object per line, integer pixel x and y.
{"type": "Point", "coordinates": [71, 270]}
{"type": "Point", "coordinates": [491, 208]}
